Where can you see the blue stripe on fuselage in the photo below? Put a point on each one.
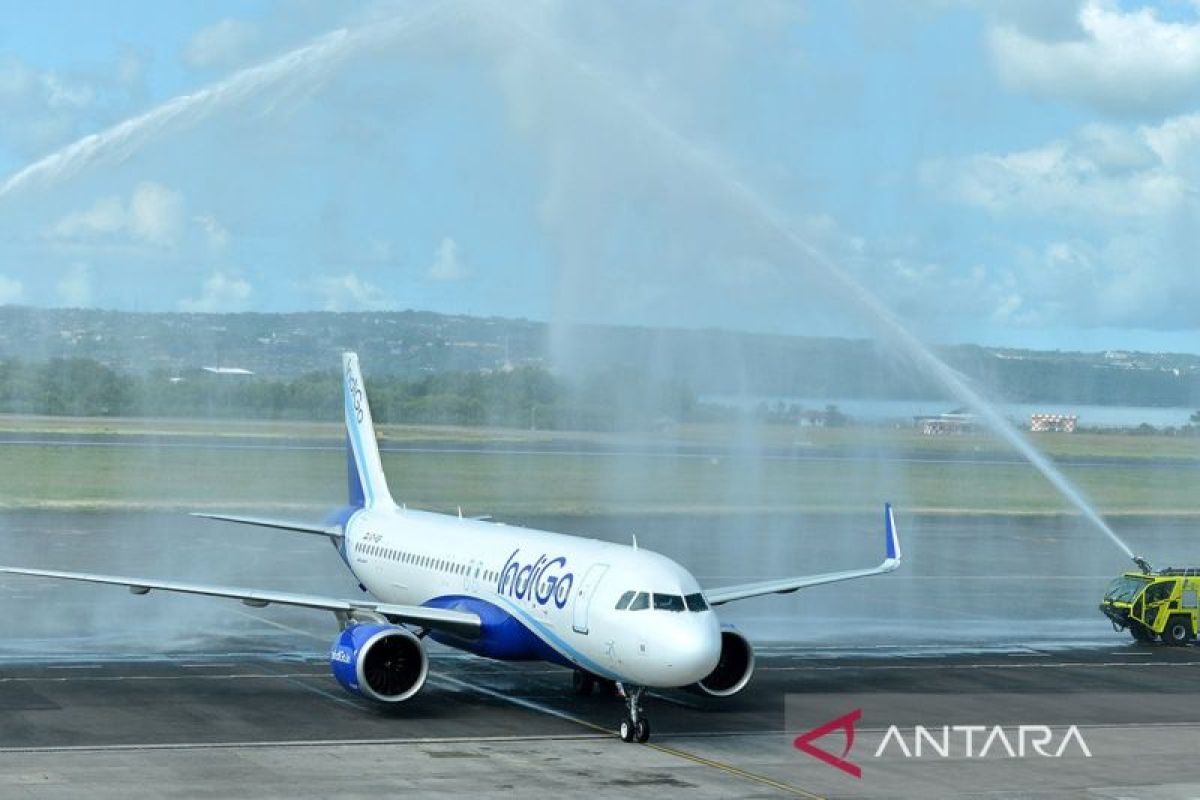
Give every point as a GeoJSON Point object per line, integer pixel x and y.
{"type": "Point", "coordinates": [507, 638]}
{"type": "Point", "coordinates": [354, 484]}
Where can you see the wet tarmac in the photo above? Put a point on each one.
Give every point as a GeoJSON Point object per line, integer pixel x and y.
{"type": "Point", "coordinates": [966, 580]}
{"type": "Point", "coordinates": [222, 724]}
{"type": "Point", "coordinates": [992, 621]}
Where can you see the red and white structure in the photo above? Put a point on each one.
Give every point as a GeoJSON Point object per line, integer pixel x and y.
{"type": "Point", "coordinates": [1052, 423]}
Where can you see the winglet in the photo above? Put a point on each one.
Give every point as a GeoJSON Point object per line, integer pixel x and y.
{"type": "Point", "coordinates": [361, 431]}
{"type": "Point", "coordinates": [892, 538]}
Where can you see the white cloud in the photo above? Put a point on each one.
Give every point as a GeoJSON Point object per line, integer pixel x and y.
{"type": "Point", "coordinates": [62, 93]}
{"type": "Point", "coordinates": [106, 216]}
{"type": "Point", "coordinates": [1105, 172]}
{"type": "Point", "coordinates": [222, 45]}
{"type": "Point", "coordinates": [220, 293]}
{"type": "Point", "coordinates": [153, 215]}
{"type": "Point", "coordinates": [1120, 61]}
{"type": "Point", "coordinates": [447, 266]}
{"type": "Point", "coordinates": [216, 236]}
{"type": "Point", "coordinates": [381, 251]}
{"type": "Point", "coordinates": [130, 69]}
{"type": "Point", "coordinates": [40, 109]}
{"type": "Point", "coordinates": [75, 287]}
{"type": "Point", "coordinates": [348, 293]}
{"type": "Point", "coordinates": [11, 290]}
{"type": "Point", "coordinates": [1130, 196]}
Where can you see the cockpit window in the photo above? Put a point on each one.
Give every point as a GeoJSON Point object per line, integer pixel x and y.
{"type": "Point", "coordinates": [668, 602]}
{"type": "Point", "coordinates": [623, 603]}
{"type": "Point", "coordinates": [640, 601]}
{"type": "Point", "coordinates": [696, 602]}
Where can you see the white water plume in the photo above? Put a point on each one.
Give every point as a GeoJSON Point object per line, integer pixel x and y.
{"type": "Point", "coordinates": [314, 60]}
{"type": "Point", "coordinates": [888, 327]}
{"type": "Point", "coordinates": [310, 62]}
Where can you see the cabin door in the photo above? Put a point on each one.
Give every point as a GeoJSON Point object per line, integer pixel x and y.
{"type": "Point", "coordinates": [583, 596]}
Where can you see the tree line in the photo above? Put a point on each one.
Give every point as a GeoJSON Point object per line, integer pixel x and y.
{"type": "Point", "coordinates": [616, 398]}
{"type": "Point", "coordinates": [525, 397]}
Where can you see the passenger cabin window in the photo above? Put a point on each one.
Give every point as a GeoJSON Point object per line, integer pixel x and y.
{"type": "Point", "coordinates": [641, 600]}
{"type": "Point", "coordinates": [623, 603]}
{"type": "Point", "coordinates": [696, 602]}
{"type": "Point", "coordinates": [668, 602]}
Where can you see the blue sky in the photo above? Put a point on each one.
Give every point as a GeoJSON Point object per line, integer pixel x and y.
{"type": "Point", "coordinates": [1015, 173]}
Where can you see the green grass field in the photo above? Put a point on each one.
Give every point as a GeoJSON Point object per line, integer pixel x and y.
{"type": "Point", "coordinates": [797, 439]}
{"type": "Point", "coordinates": [36, 476]}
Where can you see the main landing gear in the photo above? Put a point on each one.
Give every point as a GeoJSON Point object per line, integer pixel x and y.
{"type": "Point", "coordinates": [635, 725]}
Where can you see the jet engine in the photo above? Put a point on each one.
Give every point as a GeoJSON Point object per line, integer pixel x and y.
{"type": "Point", "coordinates": [734, 668]}
{"type": "Point", "coordinates": [385, 663]}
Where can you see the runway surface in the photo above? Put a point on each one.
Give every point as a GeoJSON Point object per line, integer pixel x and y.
{"type": "Point", "coordinates": [222, 725]}
{"type": "Point", "coordinates": [992, 621]}
{"type": "Point", "coordinates": [966, 580]}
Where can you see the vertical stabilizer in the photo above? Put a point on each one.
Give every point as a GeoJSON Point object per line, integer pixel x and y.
{"type": "Point", "coordinates": [364, 450]}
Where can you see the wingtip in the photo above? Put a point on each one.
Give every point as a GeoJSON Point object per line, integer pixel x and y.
{"type": "Point", "coordinates": [892, 538]}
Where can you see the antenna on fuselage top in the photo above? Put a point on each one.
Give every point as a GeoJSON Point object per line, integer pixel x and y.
{"type": "Point", "coordinates": [634, 535]}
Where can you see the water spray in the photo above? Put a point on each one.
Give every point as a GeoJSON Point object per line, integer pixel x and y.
{"type": "Point", "coordinates": [309, 61]}
{"type": "Point", "coordinates": [888, 327]}
{"type": "Point", "coordinates": [121, 139]}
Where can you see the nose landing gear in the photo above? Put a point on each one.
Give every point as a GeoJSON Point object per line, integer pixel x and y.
{"type": "Point", "coordinates": [635, 726]}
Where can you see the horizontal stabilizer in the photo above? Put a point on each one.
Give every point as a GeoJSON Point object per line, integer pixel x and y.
{"type": "Point", "coordinates": [332, 531]}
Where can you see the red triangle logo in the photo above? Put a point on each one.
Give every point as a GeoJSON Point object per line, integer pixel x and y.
{"type": "Point", "coordinates": [804, 742]}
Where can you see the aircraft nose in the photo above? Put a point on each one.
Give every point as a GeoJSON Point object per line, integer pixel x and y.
{"type": "Point", "coordinates": [697, 651]}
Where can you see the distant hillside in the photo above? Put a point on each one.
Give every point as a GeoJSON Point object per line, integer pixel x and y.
{"type": "Point", "coordinates": [410, 344]}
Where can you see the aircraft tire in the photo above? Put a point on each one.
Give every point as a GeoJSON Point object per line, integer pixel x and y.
{"type": "Point", "coordinates": [626, 731]}
{"type": "Point", "coordinates": [641, 730]}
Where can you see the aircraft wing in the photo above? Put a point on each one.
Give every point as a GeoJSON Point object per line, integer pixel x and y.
{"type": "Point", "coordinates": [458, 622]}
{"type": "Point", "coordinates": [332, 531]}
{"type": "Point", "coordinates": [727, 594]}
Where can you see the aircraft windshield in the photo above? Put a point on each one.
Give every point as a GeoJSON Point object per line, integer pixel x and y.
{"type": "Point", "coordinates": [1125, 588]}
{"type": "Point", "coordinates": [668, 602]}
{"type": "Point", "coordinates": [636, 601]}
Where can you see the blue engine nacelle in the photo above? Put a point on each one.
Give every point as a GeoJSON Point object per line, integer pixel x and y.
{"type": "Point", "coordinates": [385, 663]}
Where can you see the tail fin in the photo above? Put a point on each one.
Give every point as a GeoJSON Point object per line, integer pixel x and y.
{"type": "Point", "coordinates": [367, 484]}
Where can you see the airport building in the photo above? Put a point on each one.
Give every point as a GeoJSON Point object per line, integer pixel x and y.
{"type": "Point", "coordinates": [1052, 423]}
{"type": "Point", "coordinates": [954, 423]}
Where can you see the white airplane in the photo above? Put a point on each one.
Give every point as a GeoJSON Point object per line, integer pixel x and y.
{"type": "Point", "coordinates": [613, 613]}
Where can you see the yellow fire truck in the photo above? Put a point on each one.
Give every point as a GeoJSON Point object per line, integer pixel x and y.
{"type": "Point", "coordinates": [1154, 605]}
